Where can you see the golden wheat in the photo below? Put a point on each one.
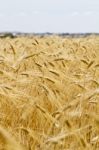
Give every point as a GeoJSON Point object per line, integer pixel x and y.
{"type": "Point", "coordinates": [49, 93]}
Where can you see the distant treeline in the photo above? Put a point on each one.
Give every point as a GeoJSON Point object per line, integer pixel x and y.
{"type": "Point", "coordinates": [17, 34]}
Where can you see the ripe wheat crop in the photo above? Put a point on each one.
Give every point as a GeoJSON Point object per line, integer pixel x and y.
{"type": "Point", "coordinates": [49, 93]}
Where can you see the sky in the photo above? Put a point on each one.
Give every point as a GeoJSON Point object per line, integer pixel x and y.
{"type": "Point", "coordinates": [56, 16]}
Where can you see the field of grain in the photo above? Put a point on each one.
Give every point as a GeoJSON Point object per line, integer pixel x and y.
{"type": "Point", "coordinates": [49, 93]}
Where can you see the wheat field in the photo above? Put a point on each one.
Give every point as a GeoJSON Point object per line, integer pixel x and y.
{"type": "Point", "coordinates": [49, 93]}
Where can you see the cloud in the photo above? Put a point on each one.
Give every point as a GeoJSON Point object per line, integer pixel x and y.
{"type": "Point", "coordinates": [88, 13]}
{"type": "Point", "coordinates": [76, 13]}
{"type": "Point", "coordinates": [1, 15]}
{"type": "Point", "coordinates": [36, 12]}
{"type": "Point", "coordinates": [22, 14]}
